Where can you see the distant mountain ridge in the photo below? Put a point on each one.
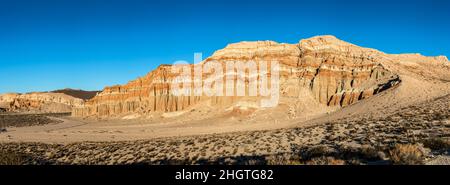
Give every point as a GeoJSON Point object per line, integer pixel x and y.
{"type": "Point", "coordinates": [77, 93]}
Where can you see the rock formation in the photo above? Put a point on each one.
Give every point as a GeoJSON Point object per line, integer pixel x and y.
{"type": "Point", "coordinates": [39, 102]}
{"type": "Point", "coordinates": [336, 73]}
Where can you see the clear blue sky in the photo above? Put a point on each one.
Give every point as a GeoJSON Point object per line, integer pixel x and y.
{"type": "Point", "coordinates": [89, 44]}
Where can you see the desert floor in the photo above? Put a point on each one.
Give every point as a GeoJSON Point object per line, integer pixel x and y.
{"type": "Point", "coordinates": [360, 140]}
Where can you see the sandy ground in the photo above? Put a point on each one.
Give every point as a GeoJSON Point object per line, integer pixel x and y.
{"type": "Point", "coordinates": [76, 129]}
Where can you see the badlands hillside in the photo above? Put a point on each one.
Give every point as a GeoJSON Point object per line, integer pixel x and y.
{"type": "Point", "coordinates": [339, 104]}
{"type": "Point", "coordinates": [39, 102]}
{"type": "Point", "coordinates": [57, 101]}
{"type": "Point", "coordinates": [315, 73]}
{"type": "Point", "coordinates": [318, 76]}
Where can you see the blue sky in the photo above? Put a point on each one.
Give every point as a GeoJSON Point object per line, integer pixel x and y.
{"type": "Point", "coordinates": [89, 44]}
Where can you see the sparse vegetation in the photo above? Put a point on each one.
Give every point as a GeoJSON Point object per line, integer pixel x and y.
{"type": "Point", "coordinates": [437, 143]}
{"type": "Point", "coordinates": [409, 154]}
{"type": "Point", "coordinates": [22, 120]}
{"type": "Point", "coordinates": [363, 140]}
{"type": "Point", "coordinates": [11, 158]}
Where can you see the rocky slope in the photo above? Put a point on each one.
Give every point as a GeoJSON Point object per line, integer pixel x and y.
{"type": "Point", "coordinates": [39, 102]}
{"type": "Point", "coordinates": [319, 71]}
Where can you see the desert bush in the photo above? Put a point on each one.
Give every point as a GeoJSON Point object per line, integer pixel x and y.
{"type": "Point", "coordinates": [437, 143]}
{"type": "Point", "coordinates": [252, 162]}
{"type": "Point", "coordinates": [283, 159]}
{"type": "Point", "coordinates": [361, 154]}
{"type": "Point", "coordinates": [316, 151]}
{"type": "Point", "coordinates": [11, 158]}
{"type": "Point", "coordinates": [325, 161]}
{"type": "Point", "coordinates": [407, 154]}
{"type": "Point", "coordinates": [372, 153]}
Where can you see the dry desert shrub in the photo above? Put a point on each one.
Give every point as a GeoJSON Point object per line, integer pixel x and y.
{"type": "Point", "coordinates": [316, 151]}
{"type": "Point", "coordinates": [283, 159]}
{"type": "Point", "coordinates": [11, 158]}
{"type": "Point", "coordinates": [437, 143]}
{"type": "Point", "coordinates": [407, 154]}
{"type": "Point", "coordinates": [372, 153]}
{"type": "Point", "coordinates": [325, 161]}
{"type": "Point", "coordinates": [253, 162]}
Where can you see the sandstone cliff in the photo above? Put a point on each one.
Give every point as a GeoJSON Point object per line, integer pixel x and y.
{"type": "Point", "coordinates": [39, 102]}
{"type": "Point", "coordinates": [335, 73]}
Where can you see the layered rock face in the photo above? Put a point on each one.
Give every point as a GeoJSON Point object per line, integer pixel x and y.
{"type": "Point", "coordinates": [39, 102]}
{"type": "Point", "coordinates": [340, 73]}
{"type": "Point", "coordinates": [335, 72]}
{"type": "Point", "coordinates": [146, 94]}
